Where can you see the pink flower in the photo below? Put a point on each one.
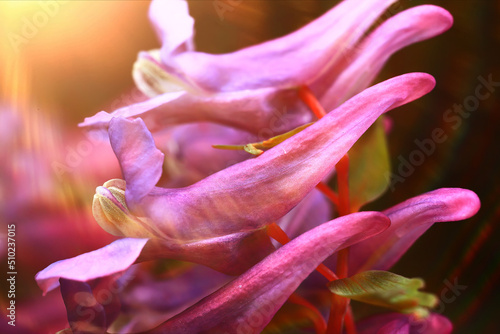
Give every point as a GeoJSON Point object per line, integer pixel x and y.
{"type": "Point", "coordinates": [394, 323]}
{"type": "Point", "coordinates": [246, 89]}
{"type": "Point", "coordinates": [223, 220]}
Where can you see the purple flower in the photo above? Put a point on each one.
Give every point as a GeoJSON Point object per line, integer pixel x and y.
{"type": "Point", "coordinates": [246, 89]}
{"type": "Point", "coordinates": [220, 221]}
{"type": "Point", "coordinates": [248, 302]}
{"type": "Point", "coordinates": [224, 220]}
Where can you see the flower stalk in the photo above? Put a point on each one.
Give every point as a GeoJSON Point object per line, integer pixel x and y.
{"type": "Point", "coordinates": [340, 305]}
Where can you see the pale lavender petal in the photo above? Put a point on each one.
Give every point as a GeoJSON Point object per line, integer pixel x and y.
{"type": "Point", "coordinates": [230, 254]}
{"type": "Point", "coordinates": [135, 149]}
{"type": "Point", "coordinates": [111, 259]}
{"type": "Point", "coordinates": [249, 302]}
{"type": "Point", "coordinates": [396, 323]}
{"type": "Point", "coordinates": [258, 191]}
{"type": "Point", "coordinates": [292, 60]}
{"type": "Point", "coordinates": [173, 24]}
{"type": "Point", "coordinates": [408, 27]}
{"type": "Point", "coordinates": [409, 220]}
{"type": "Point", "coordinates": [249, 110]}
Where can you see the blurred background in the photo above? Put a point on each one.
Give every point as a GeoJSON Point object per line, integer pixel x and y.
{"type": "Point", "coordinates": [62, 61]}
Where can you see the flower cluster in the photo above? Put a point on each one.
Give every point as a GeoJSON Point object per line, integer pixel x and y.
{"type": "Point", "coordinates": [215, 240]}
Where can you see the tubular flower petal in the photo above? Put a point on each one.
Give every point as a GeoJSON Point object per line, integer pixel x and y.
{"type": "Point", "coordinates": [330, 54]}
{"type": "Point", "coordinates": [114, 258]}
{"type": "Point", "coordinates": [262, 290]}
{"type": "Point", "coordinates": [273, 63]}
{"type": "Point", "coordinates": [248, 195]}
{"type": "Point", "coordinates": [406, 28]}
{"type": "Point", "coordinates": [409, 220]}
{"type": "Point", "coordinates": [249, 110]}
{"type": "Point", "coordinates": [218, 221]}
{"type": "Point", "coordinates": [230, 254]}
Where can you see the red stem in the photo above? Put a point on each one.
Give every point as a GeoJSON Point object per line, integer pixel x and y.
{"type": "Point", "coordinates": [350, 325]}
{"type": "Point", "coordinates": [307, 96]}
{"type": "Point", "coordinates": [336, 319]}
{"type": "Point", "coordinates": [342, 169]}
{"type": "Point", "coordinates": [329, 193]}
{"type": "Point", "coordinates": [317, 319]}
{"type": "Point", "coordinates": [340, 305]}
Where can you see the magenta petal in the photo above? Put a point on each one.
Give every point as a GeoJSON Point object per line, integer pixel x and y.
{"type": "Point", "coordinates": [253, 193]}
{"type": "Point", "coordinates": [249, 110]}
{"type": "Point", "coordinates": [173, 24]}
{"type": "Point", "coordinates": [409, 220]}
{"type": "Point", "coordinates": [292, 60]}
{"type": "Point", "coordinates": [111, 259]}
{"type": "Point", "coordinates": [141, 162]}
{"type": "Point", "coordinates": [408, 27]}
{"type": "Point", "coordinates": [396, 323]}
{"type": "Point", "coordinates": [249, 302]}
{"type": "Point", "coordinates": [398, 326]}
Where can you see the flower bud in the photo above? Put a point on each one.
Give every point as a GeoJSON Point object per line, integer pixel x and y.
{"type": "Point", "coordinates": [112, 214]}
{"type": "Point", "coordinates": [150, 78]}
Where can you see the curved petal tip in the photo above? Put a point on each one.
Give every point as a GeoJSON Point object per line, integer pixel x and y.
{"type": "Point", "coordinates": [141, 162]}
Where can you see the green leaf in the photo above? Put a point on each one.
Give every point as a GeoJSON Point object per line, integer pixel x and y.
{"type": "Point", "coordinates": [290, 318]}
{"type": "Point", "coordinates": [383, 288]}
{"type": "Point", "coordinates": [369, 165]}
{"type": "Point", "coordinates": [260, 147]}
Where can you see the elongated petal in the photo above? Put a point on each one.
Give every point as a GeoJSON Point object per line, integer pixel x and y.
{"type": "Point", "coordinates": [258, 191]}
{"type": "Point", "coordinates": [410, 220]}
{"type": "Point", "coordinates": [230, 254]}
{"type": "Point", "coordinates": [408, 27]}
{"type": "Point", "coordinates": [249, 302]}
{"type": "Point", "coordinates": [111, 259]}
{"type": "Point", "coordinates": [249, 110]}
{"type": "Point", "coordinates": [173, 24]}
{"type": "Point", "coordinates": [292, 60]}
{"type": "Point", "coordinates": [135, 148]}
{"type": "Point", "coordinates": [396, 323]}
